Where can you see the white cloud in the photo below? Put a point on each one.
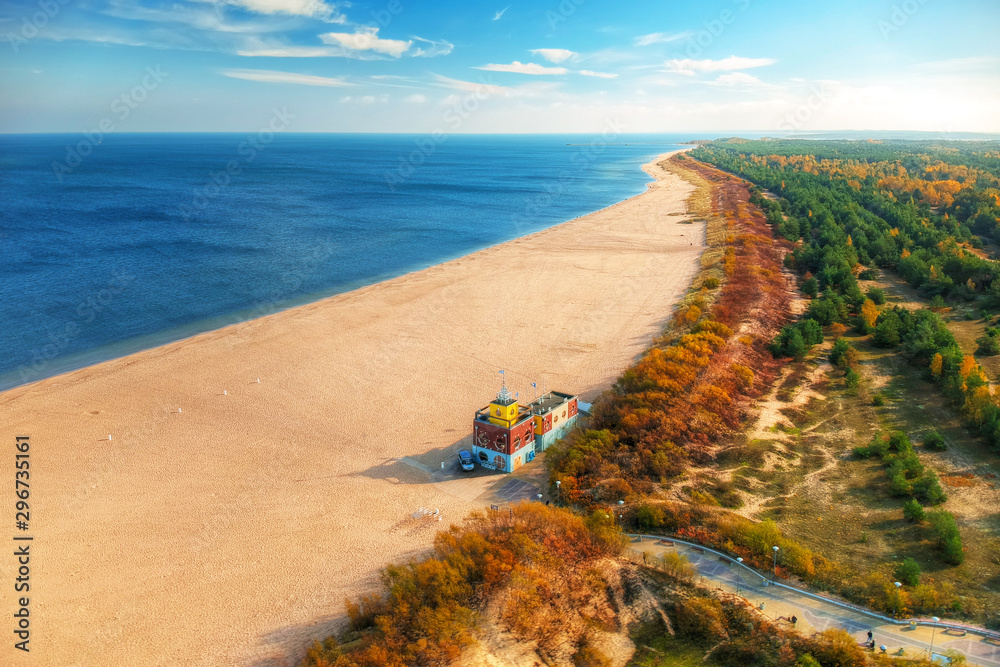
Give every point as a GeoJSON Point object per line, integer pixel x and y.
{"type": "Point", "coordinates": [484, 90]}
{"type": "Point", "coordinates": [469, 86]}
{"type": "Point", "coordinates": [523, 68]}
{"type": "Point", "coordinates": [441, 48]}
{"type": "Point", "coordinates": [988, 64]}
{"type": "Point", "coordinates": [599, 75]}
{"type": "Point", "coordinates": [555, 55]}
{"type": "Point", "coordinates": [312, 8]}
{"type": "Point", "coordinates": [660, 38]}
{"type": "Point", "coordinates": [416, 98]}
{"type": "Point", "coordinates": [367, 39]}
{"type": "Point", "coordinates": [736, 79]}
{"type": "Point", "coordinates": [271, 76]}
{"type": "Point", "coordinates": [289, 52]}
{"type": "Point", "coordinates": [689, 67]}
{"type": "Point", "coordinates": [365, 99]}
{"type": "Point", "coordinates": [499, 14]}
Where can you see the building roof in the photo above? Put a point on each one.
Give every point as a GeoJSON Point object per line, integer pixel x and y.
{"type": "Point", "coordinates": [549, 401]}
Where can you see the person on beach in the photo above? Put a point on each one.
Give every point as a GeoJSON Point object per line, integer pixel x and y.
{"type": "Point", "coordinates": [870, 640]}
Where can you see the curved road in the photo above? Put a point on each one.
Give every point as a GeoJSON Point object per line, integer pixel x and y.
{"type": "Point", "coordinates": [816, 615]}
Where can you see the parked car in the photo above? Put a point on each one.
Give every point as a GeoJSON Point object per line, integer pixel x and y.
{"type": "Point", "coordinates": [465, 458]}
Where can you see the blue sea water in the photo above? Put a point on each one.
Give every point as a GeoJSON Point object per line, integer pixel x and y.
{"type": "Point", "coordinates": [114, 246]}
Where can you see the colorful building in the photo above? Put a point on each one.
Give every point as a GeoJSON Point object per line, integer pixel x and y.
{"type": "Point", "coordinates": [506, 434]}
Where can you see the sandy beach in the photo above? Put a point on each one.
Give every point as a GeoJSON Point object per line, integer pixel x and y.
{"type": "Point", "coordinates": [227, 519]}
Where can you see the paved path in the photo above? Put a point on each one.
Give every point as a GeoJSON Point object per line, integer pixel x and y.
{"type": "Point", "coordinates": [815, 615]}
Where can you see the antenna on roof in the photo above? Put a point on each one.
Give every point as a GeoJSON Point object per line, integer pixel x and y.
{"type": "Point", "coordinates": [504, 394]}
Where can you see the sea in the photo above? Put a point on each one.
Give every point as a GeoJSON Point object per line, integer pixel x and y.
{"type": "Point", "coordinates": [117, 243]}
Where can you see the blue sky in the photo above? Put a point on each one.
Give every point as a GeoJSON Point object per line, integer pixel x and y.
{"type": "Point", "coordinates": [549, 66]}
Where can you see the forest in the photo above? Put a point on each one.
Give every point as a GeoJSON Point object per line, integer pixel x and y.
{"type": "Point", "coordinates": [924, 211]}
{"type": "Point", "coordinates": [805, 239]}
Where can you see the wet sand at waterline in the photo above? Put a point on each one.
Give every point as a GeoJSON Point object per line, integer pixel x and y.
{"type": "Point", "coordinates": [227, 519]}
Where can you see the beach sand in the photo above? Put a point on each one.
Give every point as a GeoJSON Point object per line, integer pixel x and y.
{"type": "Point", "coordinates": [226, 520]}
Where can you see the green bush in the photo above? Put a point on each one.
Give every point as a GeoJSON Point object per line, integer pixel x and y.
{"type": "Point", "coordinates": [935, 441]}
{"type": "Point", "coordinates": [877, 448]}
{"type": "Point", "coordinates": [900, 443]}
{"type": "Point", "coordinates": [908, 572]}
{"type": "Point", "coordinates": [647, 517]}
{"type": "Point", "coordinates": [949, 540]}
{"type": "Point", "coordinates": [928, 488]}
{"type": "Point", "coordinates": [710, 283]}
{"type": "Point", "coordinates": [677, 566]}
{"type": "Point", "coordinates": [852, 380]}
{"type": "Point", "coordinates": [988, 346]}
{"type": "Point", "coordinates": [838, 353]}
{"type": "Point", "coordinates": [913, 510]}
{"type": "Point", "coordinates": [877, 295]}
{"type": "Point", "coordinates": [878, 399]}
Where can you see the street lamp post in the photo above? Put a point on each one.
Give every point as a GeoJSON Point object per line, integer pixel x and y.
{"type": "Point", "coordinates": [739, 579]}
{"type": "Point", "coordinates": [621, 515]}
{"type": "Point", "coordinates": [933, 628]}
{"type": "Point", "coordinates": [558, 491]}
{"type": "Point", "coordinates": [895, 609]}
{"type": "Point", "coordinates": [774, 570]}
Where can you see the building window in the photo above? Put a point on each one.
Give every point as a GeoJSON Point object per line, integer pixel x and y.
{"type": "Point", "coordinates": [483, 457]}
{"type": "Point", "coordinates": [517, 443]}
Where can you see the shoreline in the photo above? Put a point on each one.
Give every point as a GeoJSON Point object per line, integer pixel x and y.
{"type": "Point", "coordinates": [136, 345]}
{"type": "Point", "coordinates": [230, 533]}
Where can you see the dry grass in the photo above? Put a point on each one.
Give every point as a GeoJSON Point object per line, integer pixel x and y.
{"type": "Point", "coordinates": [845, 511]}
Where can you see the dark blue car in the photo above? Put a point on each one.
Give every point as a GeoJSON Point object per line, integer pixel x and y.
{"type": "Point", "coordinates": [465, 458]}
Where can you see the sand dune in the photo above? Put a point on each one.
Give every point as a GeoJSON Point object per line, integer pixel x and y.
{"type": "Point", "coordinates": [229, 533]}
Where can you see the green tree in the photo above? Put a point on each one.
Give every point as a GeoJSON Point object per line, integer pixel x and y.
{"type": "Point", "coordinates": [877, 295]}
{"type": "Point", "coordinates": [796, 347]}
{"type": "Point", "coordinates": [913, 510]}
{"type": "Point", "coordinates": [887, 330]}
{"type": "Point", "coordinates": [838, 353]}
{"type": "Point", "coordinates": [908, 572]}
{"type": "Point", "coordinates": [812, 332]}
{"type": "Point", "coordinates": [949, 540]}
{"type": "Point", "coordinates": [810, 288]}
{"type": "Point", "coordinates": [852, 380]}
